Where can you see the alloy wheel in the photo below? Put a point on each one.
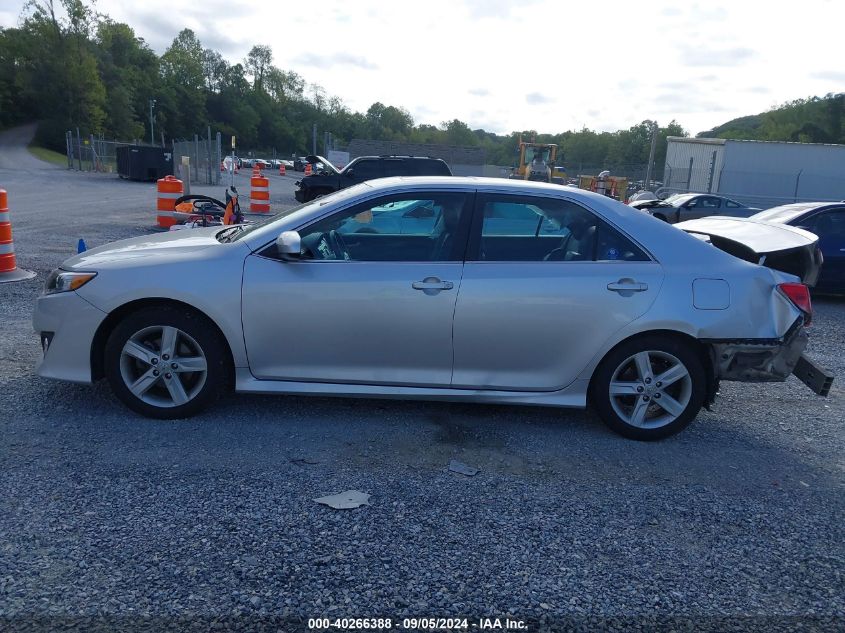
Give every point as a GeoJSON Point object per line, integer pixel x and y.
{"type": "Point", "coordinates": [650, 389]}
{"type": "Point", "coordinates": [163, 366]}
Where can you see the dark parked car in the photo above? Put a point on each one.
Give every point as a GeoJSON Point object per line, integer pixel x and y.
{"type": "Point", "coordinates": [299, 163]}
{"type": "Point", "coordinates": [690, 206]}
{"type": "Point", "coordinates": [825, 219]}
{"type": "Point", "coordinates": [327, 179]}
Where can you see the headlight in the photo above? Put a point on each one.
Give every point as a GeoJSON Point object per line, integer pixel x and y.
{"type": "Point", "coordinates": [63, 281]}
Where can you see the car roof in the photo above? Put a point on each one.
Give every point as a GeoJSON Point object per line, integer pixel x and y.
{"type": "Point", "coordinates": [403, 156]}
{"type": "Point", "coordinates": [788, 212]}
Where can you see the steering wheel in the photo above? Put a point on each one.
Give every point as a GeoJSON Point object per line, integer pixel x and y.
{"type": "Point", "coordinates": [201, 203]}
{"type": "Point", "coordinates": [338, 244]}
{"type": "Point", "coordinates": [559, 253]}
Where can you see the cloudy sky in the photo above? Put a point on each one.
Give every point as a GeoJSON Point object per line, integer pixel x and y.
{"type": "Point", "coordinates": [548, 65]}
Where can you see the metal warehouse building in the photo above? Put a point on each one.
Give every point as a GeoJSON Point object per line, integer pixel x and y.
{"type": "Point", "coordinates": [759, 173]}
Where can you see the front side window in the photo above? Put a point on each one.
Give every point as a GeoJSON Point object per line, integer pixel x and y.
{"type": "Point", "coordinates": [408, 227]}
{"type": "Point", "coordinates": [514, 228]}
{"type": "Point", "coordinates": [708, 203]}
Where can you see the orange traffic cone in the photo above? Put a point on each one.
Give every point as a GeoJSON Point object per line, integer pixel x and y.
{"type": "Point", "coordinates": [9, 270]}
{"type": "Point", "coordinates": [259, 195]}
{"type": "Point", "coordinates": [169, 189]}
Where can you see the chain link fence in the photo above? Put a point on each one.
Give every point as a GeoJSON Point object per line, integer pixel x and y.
{"type": "Point", "coordinates": [91, 153]}
{"type": "Point", "coordinates": [762, 189]}
{"type": "Point", "coordinates": [97, 154]}
{"type": "Point", "coordinates": [201, 156]}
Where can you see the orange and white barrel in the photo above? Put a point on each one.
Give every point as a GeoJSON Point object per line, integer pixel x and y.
{"type": "Point", "coordinates": [281, 169]}
{"type": "Point", "coordinates": [169, 188]}
{"type": "Point", "coordinates": [7, 246]}
{"type": "Point", "coordinates": [308, 169]}
{"type": "Point", "coordinates": [9, 270]}
{"type": "Point", "coordinates": [259, 194]}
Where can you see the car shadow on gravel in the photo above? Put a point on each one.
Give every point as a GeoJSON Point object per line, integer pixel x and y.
{"type": "Point", "coordinates": [721, 451]}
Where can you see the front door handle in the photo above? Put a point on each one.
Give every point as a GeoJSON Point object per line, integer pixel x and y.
{"type": "Point", "coordinates": [432, 284]}
{"type": "Point", "coordinates": [627, 286]}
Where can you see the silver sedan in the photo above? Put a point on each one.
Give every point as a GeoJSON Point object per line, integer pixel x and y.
{"type": "Point", "coordinates": [501, 292]}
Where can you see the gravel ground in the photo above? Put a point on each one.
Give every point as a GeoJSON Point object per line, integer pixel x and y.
{"type": "Point", "coordinates": [112, 521]}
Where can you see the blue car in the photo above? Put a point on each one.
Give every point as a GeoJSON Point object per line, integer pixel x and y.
{"type": "Point", "coordinates": [827, 220]}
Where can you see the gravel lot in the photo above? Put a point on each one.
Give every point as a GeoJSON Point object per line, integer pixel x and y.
{"type": "Point", "coordinates": [114, 521]}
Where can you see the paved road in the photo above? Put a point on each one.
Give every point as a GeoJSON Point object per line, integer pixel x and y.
{"type": "Point", "coordinates": [14, 153]}
{"type": "Point", "coordinates": [105, 514]}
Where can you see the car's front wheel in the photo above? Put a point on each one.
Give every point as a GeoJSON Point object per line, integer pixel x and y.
{"type": "Point", "coordinates": [166, 362]}
{"type": "Point", "coordinates": [650, 387]}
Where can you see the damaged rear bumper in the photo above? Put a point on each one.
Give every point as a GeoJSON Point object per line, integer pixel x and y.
{"type": "Point", "coordinates": [770, 360]}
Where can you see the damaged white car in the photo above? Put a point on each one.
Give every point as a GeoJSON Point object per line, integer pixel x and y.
{"type": "Point", "coordinates": [497, 291]}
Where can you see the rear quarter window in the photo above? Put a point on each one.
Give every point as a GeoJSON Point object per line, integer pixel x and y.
{"type": "Point", "coordinates": [431, 168]}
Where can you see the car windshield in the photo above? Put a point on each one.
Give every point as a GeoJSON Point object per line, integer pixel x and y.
{"type": "Point", "coordinates": [229, 234]}
{"type": "Point", "coordinates": [541, 154]}
{"type": "Point", "coordinates": [784, 214]}
{"type": "Point", "coordinates": [678, 199]}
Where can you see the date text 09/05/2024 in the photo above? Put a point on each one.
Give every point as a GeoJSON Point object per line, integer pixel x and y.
{"type": "Point", "coordinates": [426, 624]}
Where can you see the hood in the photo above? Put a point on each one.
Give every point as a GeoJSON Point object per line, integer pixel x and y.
{"type": "Point", "coordinates": [327, 166]}
{"type": "Point", "coordinates": [173, 245]}
{"type": "Point", "coordinates": [778, 246]}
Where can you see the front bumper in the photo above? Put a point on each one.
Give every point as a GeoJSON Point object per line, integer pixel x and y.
{"type": "Point", "coordinates": [770, 360]}
{"type": "Point", "coordinates": [66, 324]}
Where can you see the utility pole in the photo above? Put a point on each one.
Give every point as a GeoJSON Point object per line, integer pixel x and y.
{"type": "Point", "coordinates": [314, 139]}
{"type": "Point", "coordinates": [152, 124]}
{"type": "Point", "coordinates": [654, 129]}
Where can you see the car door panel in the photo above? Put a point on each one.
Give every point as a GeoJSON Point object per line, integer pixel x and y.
{"type": "Point", "coordinates": [536, 325]}
{"type": "Point", "coordinates": [359, 322]}
{"type": "Point", "coordinates": [359, 307]}
{"type": "Point", "coordinates": [534, 307]}
{"type": "Point", "coordinates": [830, 227]}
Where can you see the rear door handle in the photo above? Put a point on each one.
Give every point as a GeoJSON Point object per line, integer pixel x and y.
{"type": "Point", "coordinates": [627, 286]}
{"type": "Point", "coordinates": [432, 283]}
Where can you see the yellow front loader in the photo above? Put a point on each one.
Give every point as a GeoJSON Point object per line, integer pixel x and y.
{"type": "Point", "coordinates": [543, 169]}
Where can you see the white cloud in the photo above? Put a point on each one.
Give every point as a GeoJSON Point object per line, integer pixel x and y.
{"type": "Point", "coordinates": [481, 61]}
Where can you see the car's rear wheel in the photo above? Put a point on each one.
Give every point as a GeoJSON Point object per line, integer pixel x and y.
{"type": "Point", "coordinates": [166, 362]}
{"type": "Point", "coordinates": [650, 387]}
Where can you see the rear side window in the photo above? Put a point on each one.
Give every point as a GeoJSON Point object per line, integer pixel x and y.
{"type": "Point", "coordinates": [367, 169]}
{"type": "Point", "coordinates": [431, 168]}
{"type": "Point", "coordinates": [516, 228]}
{"type": "Point", "coordinates": [397, 168]}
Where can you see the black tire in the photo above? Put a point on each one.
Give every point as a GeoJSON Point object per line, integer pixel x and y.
{"type": "Point", "coordinates": [620, 366]}
{"type": "Point", "coordinates": [197, 340]}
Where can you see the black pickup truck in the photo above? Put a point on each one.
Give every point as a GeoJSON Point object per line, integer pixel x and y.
{"type": "Point", "coordinates": [328, 179]}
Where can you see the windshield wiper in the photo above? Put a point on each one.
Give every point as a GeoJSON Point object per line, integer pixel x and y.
{"type": "Point", "coordinates": [227, 235]}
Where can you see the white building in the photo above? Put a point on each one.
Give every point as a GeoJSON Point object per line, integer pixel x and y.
{"type": "Point", "coordinates": [759, 173]}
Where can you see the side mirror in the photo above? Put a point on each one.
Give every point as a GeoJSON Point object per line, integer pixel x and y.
{"type": "Point", "coordinates": [349, 173]}
{"type": "Point", "coordinates": [289, 245]}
